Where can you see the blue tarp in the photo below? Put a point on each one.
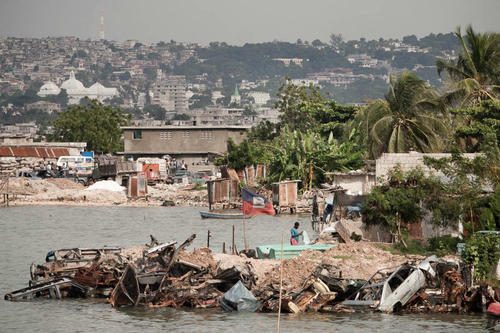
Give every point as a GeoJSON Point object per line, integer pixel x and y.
{"type": "Point", "coordinates": [238, 298]}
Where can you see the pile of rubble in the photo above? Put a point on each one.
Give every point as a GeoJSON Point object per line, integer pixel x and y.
{"type": "Point", "coordinates": [9, 165]}
{"type": "Point", "coordinates": [69, 192]}
{"type": "Point", "coordinates": [178, 194]}
{"type": "Point", "coordinates": [166, 275]}
{"type": "Point", "coordinates": [60, 190]}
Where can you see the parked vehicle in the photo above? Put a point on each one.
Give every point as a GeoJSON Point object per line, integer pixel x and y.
{"type": "Point", "coordinates": [80, 165]}
{"type": "Point", "coordinates": [154, 169]}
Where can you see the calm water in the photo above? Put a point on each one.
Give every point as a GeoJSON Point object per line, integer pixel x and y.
{"type": "Point", "coordinates": [28, 233]}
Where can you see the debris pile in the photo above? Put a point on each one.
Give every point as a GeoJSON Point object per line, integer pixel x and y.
{"type": "Point", "coordinates": [10, 165]}
{"type": "Point", "coordinates": [179, 194]}
{"type": "Point", "coordinates": [342, 279]}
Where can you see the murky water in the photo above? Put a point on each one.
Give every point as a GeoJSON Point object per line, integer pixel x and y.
{"type": "Point", "coordinates": [28, 233]}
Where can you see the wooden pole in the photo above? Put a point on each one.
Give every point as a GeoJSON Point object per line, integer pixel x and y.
{"type": "Point", "coordinates": [245, 236]}
{"type": "Point", "coordinates": [208, 239]}
{"type": "Point", "coordinates": [281, 281]}
{"type": "Point", "coordinates": [233, 247]}
{"type": "Point", "coordinates": [223, 247]}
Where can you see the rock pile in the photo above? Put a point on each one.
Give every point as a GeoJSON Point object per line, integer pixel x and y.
{"type": "Point", "coordinates": [10, 165]}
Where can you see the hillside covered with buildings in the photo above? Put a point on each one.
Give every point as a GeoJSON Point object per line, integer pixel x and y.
{"type": "Point", "coordinates": [191, 84]}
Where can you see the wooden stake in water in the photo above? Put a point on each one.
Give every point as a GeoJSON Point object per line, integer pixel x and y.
{"type": "Point", "coordinates": [233, 246]}
{"type": "Point", "coordinates": [281, 281]}
{"type": "Point", "coordinates": [245, 236]}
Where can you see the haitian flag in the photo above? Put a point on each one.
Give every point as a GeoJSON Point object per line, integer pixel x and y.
{"type": "Point", "coordinates": [255, 204]}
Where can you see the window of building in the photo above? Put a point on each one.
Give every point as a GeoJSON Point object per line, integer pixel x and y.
{"type": "Point", "coordinates": [165, 135]}
{"type": "Point", "coordinates": [137, 134]}
{"type": "Point", "coordinates": [206, 135]}
{"type": "Point", "coordinates": [185, 134]}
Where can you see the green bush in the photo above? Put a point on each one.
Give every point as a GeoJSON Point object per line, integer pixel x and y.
{"type": "Point", "coordinates": [482, 252]}
{"type": "Point", "coordinates": [443, 245]}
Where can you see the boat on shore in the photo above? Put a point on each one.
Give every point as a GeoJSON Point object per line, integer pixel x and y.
{"type": "Point", "coordinates": [289, 251]}
{"type": "Point", "coordinates": [224, 215]}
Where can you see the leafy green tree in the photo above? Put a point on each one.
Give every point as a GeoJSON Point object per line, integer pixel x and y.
{"type": "Point", "coordinates": [305, 109]}
{"type": "Point", "coordinates": [410, 118]}
{"type": "Point", "coordinates": [93, 123]}
{"type": "Point", "coordinates": [181, 116]}
{"type": "Point", "coordinates": [401, 200]}
{"type": "Point", "coordinates": [264, 131]}
{"type": "Point", "coordinates": [61, 98]}
{"type": "Point", "coordinates": [155, 111]}
{"type": "Point", "coordinates": [307, 156]}
{"type": "Point", "coordinates": [474, 183]}
{"type": "Point", "coordinates": [475, 76]}
{"type": "Point", "coordinates": [125, 76]}
{"type": "Point", "coordinates": [242, 155]}
{"type": "Point", "coordinates": [482, 121]}
{"type": "Point", "coordinates": [150, 73]}
{"type": "Point", "coordinates": [482, 251]}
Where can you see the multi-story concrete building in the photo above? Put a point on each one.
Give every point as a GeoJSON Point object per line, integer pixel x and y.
{"type": "Point", "coordinates": [189, 143]}
{"type": "Point", "coordinates": [169, 92]}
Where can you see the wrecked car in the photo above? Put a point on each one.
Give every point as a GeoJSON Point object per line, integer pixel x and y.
{"type": "Point", "coordinates": [388, 291]}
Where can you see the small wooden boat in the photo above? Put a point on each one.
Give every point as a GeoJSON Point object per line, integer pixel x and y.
{"type": "Point", "coordinates": [289, 251]}
{"type": "Point", "coordinates": [224, 215]}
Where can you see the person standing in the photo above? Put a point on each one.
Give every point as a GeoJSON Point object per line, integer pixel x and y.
{"type": "Point", "coordinates": [294, 239]}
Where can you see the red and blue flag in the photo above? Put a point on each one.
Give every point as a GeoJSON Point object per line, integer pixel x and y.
{"type": "Point", "coordinates": [255, 204]}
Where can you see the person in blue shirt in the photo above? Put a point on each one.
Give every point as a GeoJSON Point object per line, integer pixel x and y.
{"type": "Point", "coordinates": [294, 239]}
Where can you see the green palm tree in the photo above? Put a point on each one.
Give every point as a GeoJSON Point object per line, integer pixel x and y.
{"type": "Point", "coordinates": [475, 76]}
{"type": "Point", "coordinates": [411, 117]}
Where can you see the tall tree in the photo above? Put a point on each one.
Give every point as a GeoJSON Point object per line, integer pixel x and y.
{"type": "Point", "coordinates": [410, 118]}
{"type": "Point", "coordinates": [304, 108]}
{"type": "Point", "coordinates": [475, 76]}
{"type": "Point", "coordinates": [93, 123]}
{"type": "Point", "coordinates": [482, 130]}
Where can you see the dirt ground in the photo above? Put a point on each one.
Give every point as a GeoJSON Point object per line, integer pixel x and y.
{"type": "Point", "coordinates": [358, 260]}
{"type": "Point", "coordinates": [61, 191]}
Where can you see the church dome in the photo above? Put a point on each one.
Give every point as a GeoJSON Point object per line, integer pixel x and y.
{"type": "Point", "coordinates": [72, 83]}
{"type": "Point", "coordinates": [49, 88]}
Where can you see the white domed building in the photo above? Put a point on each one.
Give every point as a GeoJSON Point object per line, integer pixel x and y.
{"type": "Point", "coordinates": [100, 92]}
{"type": "Point", "coordinates": [48, 88]}
{"type": "Point", "coordinates": [76, 90]}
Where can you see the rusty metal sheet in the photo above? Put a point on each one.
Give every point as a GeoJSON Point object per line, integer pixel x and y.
{"type": "Point", "coordinates": [58, 152]}
{"type": "Point", "coordinates": [283, 201]}
{"type": "Point", "coordinates": [5, 151]}
{"type": "Point", "coordinates": [291, 189]}
{"type": "Point", "coordinates": [250, 173]}
{"type": "Point", "coordinates": [224, 189]}
{"type": "Point", "coordinates": [31, 151]}
{"type": "Point", "coordinates": [42, 152]}
{"type": "Point", "coordinates": [133, 187]}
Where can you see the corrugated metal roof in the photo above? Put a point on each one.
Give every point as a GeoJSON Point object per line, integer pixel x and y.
{"type": "Point", "coordinates": [26, 151]}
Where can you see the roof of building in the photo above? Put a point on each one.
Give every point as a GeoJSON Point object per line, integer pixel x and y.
{"type": "Point", "coordinates": [49, 88]}
{"type": "Point", "coordinates": [72, 83]}
{"type": "Point", "coordinates": [201, 128]}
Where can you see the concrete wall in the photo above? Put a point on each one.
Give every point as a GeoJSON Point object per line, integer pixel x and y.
{"type": "Point", "coordinates": [356, 184]}
{"type": "Point", "coordinates": [407, 161]}
{"type": "Point", "coordinates": [181, 140]}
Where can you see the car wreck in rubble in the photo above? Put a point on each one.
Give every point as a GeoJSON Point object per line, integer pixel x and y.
{"type": "Point", "coordinates": [166, 275]}
{"type": "Point", "coordinates": [389, 289]}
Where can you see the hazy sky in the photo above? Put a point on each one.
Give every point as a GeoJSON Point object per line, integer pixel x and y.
{"type": "Point", "coordinates": [241, 21]}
